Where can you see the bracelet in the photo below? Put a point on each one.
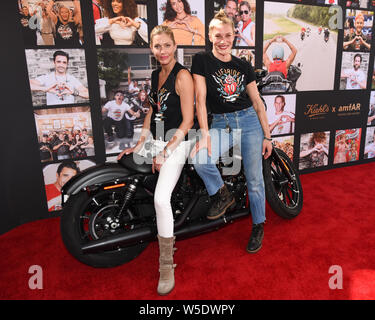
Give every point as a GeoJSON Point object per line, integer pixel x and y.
{"type": "Point", "coordinates": [268, 139]}
{"type": "Point", "coordinates": [168, 152]}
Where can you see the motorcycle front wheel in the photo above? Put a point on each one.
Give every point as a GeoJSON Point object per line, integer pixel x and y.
{"type": "Point", "coordinates": [90, 217]}
{"type": "Point", "coordinates": [284, 195]}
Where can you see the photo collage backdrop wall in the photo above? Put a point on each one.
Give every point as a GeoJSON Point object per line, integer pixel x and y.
{"type": "Point", "coordinates": [89, 67]}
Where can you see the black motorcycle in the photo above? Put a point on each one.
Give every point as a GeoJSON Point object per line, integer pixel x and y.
{"type": "Point", "coordinates": [109, 217]}
{"type": "Point", "coordinates": [275, 82]}
{"type": "Point", "coordinates": [326, 36]}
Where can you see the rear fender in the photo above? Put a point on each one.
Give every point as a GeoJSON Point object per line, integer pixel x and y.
{"type": "Point", "coordinates": [95, 175]}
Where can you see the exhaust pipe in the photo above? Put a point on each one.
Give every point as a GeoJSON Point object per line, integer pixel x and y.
{"type": "Point", "coordinates": [200, 227]}
{"type": "Point", "coordinates": [133, 237]}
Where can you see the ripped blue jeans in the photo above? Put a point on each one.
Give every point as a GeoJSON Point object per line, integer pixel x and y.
{"type": "Point", "coordinates": [248, 136]}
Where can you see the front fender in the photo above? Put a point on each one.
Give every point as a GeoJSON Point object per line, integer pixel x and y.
{"type": "Point", "coordinates": [94, 175]}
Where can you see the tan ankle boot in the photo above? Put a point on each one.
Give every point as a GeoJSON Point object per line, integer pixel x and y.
{"type": "Point", "coordinates": [166, 268]}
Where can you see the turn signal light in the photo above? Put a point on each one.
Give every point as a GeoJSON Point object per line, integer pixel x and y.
{"type": "Point", "coordinates": [115, 186]}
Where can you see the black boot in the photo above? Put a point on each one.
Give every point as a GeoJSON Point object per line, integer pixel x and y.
{"type": "Point", "coordinates": [220, 202]}
{"type": "Point", "coordinates": [255, 242]}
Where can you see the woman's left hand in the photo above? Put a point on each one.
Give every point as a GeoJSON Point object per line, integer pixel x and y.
{"type": "Point", "coordinates": [267, 148]}
{"type": "Point", "coordinates": [188, 27]}
{"type": "Point", "coordinates": [129, 22]}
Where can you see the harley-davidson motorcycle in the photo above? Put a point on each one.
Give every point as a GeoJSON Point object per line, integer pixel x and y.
{"type": "Point", "coordinates": [275, 82]}
{"type": "Point", "coordinates": [108, 212]}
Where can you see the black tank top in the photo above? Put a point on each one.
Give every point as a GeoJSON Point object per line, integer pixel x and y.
{"type": "Point", "coordinates": [166, 105]}
{"type": "Point", "coordinates": [66, 34]}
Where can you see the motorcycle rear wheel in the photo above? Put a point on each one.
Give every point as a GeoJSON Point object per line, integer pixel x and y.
{"type": "Point", "coordinates": [84, 219]}
{"type": "Point", "coordinates": [284, 196]}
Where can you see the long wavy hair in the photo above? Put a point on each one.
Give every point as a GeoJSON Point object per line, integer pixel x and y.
{"type": "Point", "coordinates": [129, 8]}
{"type": "Point", "coordinates": [170, 14]}
{"type": "Point", "coordinates": [320, 137]}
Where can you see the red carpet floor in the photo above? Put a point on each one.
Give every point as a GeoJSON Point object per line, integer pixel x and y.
{"type": "Point", "coordinates": [335, 228]}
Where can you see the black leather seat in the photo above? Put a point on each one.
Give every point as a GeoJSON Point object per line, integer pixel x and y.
{"type": "Point", "coordinates": [136, 163]}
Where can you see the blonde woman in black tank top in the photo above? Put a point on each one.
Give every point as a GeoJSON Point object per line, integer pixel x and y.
{"type": "Point", "coordinates": [172, 108]}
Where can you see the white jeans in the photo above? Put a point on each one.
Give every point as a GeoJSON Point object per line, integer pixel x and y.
{"type": "Point", "coordinates": [168, 176]}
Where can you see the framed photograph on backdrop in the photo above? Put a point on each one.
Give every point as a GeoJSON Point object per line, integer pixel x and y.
{"type": "Point", "coordinates": [64, 133]}
{"type": "Point", "coordinates": [354, 70]}
{"type": "Point", "coordinates": [314, 150]}
{"type": "Point", "coordinates": [371, 111]}
{"type": "Point", "coordinates": [373, 78]}
{"type": "Point", "coordinates": [51, 23]}
{"type": "Point", "coordinates": [186, 18]}
{"type": "Point", "coordinates": [281, 111]}
{"type": "Point", "coordinates": [56, 175]}
{"type": "Point", "coordinates": [285, 143]}
{"type": "Point", "coordinates": [365, 4]}
{"type": "Point", "coordinates": [369, 151]}
{"type": "Point", "coordinates": [57, 77]}
{"type": "Point", "coordinates": [299, 45]}
{"type": "Point", "coordinates": [347, 143]}
{"type": "Point", "coordinates": [125, 82]}
{"type": "Point", "coordinates": [358, 30]}
{"type": "Point", "coordinates": [243, 14]}
{"type": "Point", "coordinates": [120, 22]}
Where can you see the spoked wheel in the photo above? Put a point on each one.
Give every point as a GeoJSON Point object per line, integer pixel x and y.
{"type": "Point", "coordinates": [283, 194]}
{"type": "Point", "coordinates": [91, 217]}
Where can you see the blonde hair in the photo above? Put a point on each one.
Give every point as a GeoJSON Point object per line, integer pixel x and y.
{"type": "Point", "coordinates": [220, 18]}
{"type": "Point", "coordinates": [359, 16]}
{"type": "Point", "coordinates": [162, 29]}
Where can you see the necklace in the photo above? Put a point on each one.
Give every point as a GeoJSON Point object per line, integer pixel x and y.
{"type": "Point", "coordinates": [182, 19]}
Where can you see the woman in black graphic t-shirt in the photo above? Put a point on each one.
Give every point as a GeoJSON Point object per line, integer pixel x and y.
{"type": "Point", "coordinates": [28, 28]}
{"type": "Point", "coordinates": [169, 119]}
{"type": "Point", "coordinates": [66, 30]}
{"type": "Point", "coordinates": [225, 85]}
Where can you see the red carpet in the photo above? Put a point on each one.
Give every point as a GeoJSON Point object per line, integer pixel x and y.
{"type": "Point", "coordinates": [336, 227]}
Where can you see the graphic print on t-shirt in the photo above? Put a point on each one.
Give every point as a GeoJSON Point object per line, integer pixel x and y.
{"type": "Point", "coordinates": [231, 84]}
{"type": "Point", "coordinates": [117, 114]}
{"type": "Point", "coordinates": [65, 31]}
{"type": "Point", "coordinates": [161, 98]}
{"type": "Point", "coordinates": [24, 22]}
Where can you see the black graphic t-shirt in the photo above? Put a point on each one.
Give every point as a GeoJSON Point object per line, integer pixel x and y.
{"type": "Point", "coordinates": [226, 82]}
{"type": "Point", "coordinates": [66, 34]}
{"type": "Point", "coordinates": [45, 154]}
{"type": "Point", "coordinates": [165, 103]}
{"type": "Point", "coordinates": [63, 149]}
{"type": "Point", "coordinates": [357, 45]}
{"type": "Point", "coordinates": [28, 30]}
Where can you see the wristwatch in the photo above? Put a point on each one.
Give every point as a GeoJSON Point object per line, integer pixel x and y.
{"type": "Point", "coordinates": [268, 139]}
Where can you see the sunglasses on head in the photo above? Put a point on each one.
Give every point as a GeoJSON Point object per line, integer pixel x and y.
{"type": "Point", "coordinates": [244, 12]}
